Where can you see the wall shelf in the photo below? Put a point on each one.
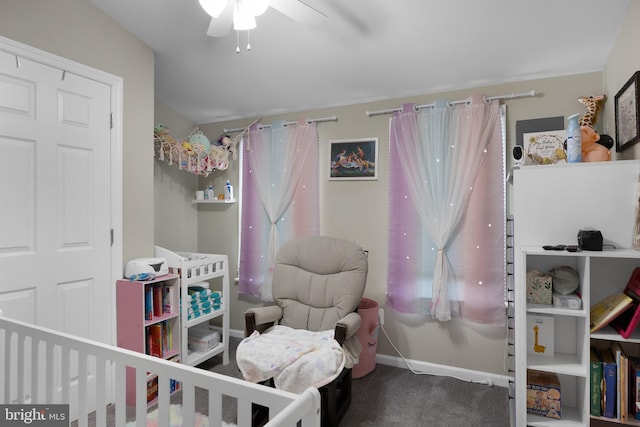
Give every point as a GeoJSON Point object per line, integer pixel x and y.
{"type": "Point", "coordinates": [212, 202]}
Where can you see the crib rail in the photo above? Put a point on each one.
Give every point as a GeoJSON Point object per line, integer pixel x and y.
{"type": "Point", "coordinates": [42, 366]}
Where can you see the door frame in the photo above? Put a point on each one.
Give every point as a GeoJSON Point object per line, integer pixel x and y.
{"type": "Point", "coordinates": [20, 50]}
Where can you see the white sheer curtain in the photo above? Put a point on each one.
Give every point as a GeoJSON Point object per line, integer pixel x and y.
{"type": "Point", "coordinates": [440, 150]}
{"type": "Point", "coordinates": [281, 167]}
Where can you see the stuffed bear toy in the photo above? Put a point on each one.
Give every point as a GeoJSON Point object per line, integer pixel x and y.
{"type": "Point", "coordinates": [593, 150]}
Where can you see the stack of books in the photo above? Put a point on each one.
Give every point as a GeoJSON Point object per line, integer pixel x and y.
{"type": "Point", "coordinates": [158, 300]}
{"type": "Point", "coordinates": [614, 374]}
{"type": "Point", "coordinates": [614, 383]}
{"type": "Point", "coordinates": [159, 339]}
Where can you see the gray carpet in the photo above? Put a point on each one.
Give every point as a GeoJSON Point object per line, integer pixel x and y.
{"type": "Point", "coordinates": [387, 397]}
{"type": "Point", "coordinates": [390, 397]}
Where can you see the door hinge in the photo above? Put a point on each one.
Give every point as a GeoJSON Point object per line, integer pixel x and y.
{"type": "Point", "coordinates": [112, 237]}
{"type": "Point", "coordinates": [111, 121]}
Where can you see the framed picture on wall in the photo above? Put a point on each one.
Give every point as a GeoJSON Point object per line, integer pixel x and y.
{"type": "Point", "coordinates": [353, 159]}
{"type": "Point", "coordinates": [627, 114]}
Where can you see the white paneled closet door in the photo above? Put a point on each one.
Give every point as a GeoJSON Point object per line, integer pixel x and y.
{"type": "Point", "coordinates": [55, 199]}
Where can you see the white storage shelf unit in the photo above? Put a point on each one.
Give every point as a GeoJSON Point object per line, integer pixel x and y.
{"type": "Point", "coordinates": [194, 268]}
{"type": "Point", "coordinates": [551, 204]}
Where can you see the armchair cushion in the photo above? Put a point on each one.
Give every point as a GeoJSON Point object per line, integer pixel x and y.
{"type": "Point", "coordinates": [318, 281]}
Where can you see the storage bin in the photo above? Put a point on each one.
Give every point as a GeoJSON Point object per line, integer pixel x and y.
{"type": "Point", "coordinates": [368, 337]}
{"type": "Point", "coordinates": [202, 339]}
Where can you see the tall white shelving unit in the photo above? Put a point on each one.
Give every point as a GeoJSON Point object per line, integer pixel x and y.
{"type": "Point", "coordinates": [193, 268]}
{"type": "Point", "coordinates": [551, 204]}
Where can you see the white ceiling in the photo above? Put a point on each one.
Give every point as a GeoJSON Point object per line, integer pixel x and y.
{"type": "Point", "coordinates": [365, 50]}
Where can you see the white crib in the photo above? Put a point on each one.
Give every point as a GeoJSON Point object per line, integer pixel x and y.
{"type": "Point", "coordinates": [42, 366]}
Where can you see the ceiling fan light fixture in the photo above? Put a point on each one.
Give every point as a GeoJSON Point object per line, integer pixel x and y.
{"type": "Point", "coordinates": [213, 7]}
{"type": "Point", "coordinates": [243, 19]}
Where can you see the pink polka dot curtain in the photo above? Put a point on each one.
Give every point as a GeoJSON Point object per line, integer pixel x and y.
{"type": "Point", "coordinates": [447, 211]}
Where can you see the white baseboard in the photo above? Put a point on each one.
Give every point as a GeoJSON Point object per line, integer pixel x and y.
{"type": "Point", "coordinates": [469, 375]}
{"type": "Point", "coordinates": [236, 333]}
{"type": "Point", "coordinates": [430, 368]}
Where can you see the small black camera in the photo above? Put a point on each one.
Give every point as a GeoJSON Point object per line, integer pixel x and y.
{"type": "Point", "coordinates": [518, 155]}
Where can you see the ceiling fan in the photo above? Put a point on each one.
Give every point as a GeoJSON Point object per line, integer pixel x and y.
{"type": "Point", "coordinates": [242, 13]}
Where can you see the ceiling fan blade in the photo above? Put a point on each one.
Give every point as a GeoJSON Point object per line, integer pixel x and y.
{"type": "Point", "coordinates": [220, 26]}
{"type": "Point", "coordinates": [300, 12]}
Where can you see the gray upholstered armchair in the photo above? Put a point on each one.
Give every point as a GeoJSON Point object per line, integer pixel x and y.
{"type": "Point", "coordinates": [318, 283]}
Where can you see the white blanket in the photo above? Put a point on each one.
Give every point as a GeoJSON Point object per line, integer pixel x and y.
{"type": "Point", "coordinates": [295, 358]}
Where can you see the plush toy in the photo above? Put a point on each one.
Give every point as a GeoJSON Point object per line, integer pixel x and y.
{"type": "Point", "coordinates": [162, 132]}
{"type": "Point", "coordinates": [594, 105]}
{"type": "Point", "coordinates": [229, 145]}
{"type": "Point", "coordinates": [199, 141]}
{"type": "Point", "coordinates": [592, 149]}
{"type": "Point", "coordinates": [163, 142]}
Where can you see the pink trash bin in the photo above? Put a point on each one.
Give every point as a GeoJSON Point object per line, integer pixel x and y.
{"type": "Point", "coordinates": [368, 337]}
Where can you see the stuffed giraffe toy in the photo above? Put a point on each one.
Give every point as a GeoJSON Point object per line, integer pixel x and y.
{"type": "Point", "coordinates": [594, 105]}
{"type": "Point", "coordinates": [592, 151]}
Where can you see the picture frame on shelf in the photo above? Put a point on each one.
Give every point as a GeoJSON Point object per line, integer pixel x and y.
{"type": "Point", "coordinates": [627, 113]}
{"type": "Point", "coordinates": [353, 159]}
{"type": "Point", "coordinates": [544, 148]}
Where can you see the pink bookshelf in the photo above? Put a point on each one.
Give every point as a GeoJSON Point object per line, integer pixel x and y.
{"type": "Point", "coordinates": [144, 329]}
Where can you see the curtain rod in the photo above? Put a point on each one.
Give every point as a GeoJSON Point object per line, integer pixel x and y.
{"type": "Point", "coordinates": [461, 101]}
{"type": "Point", "coordinates": [308, 121]}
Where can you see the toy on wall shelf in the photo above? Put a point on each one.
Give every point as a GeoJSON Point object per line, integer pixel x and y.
{"type": "Point", "coordinates": [594, 105]}
{"type": "Point", "coordinates": [195, 153]}
{"type": "Point", "coordinates": [595, 148]}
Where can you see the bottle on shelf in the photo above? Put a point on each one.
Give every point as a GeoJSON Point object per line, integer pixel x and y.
{"type": "Point", "coordinates": [228, 192]}
{"type": "Point", "coordinates": [574, 140]}
{"type": "Point", "coordinates": [210, 193]}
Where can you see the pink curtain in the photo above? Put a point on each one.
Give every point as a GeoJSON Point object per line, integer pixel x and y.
{"type": "Point", "coordinates": [279, 199]}
{"type": "Point", "coordinates": [447, 211]}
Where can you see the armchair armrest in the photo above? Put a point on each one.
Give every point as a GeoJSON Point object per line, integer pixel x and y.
{"type": "Point", "coordinates": [261, 318]}
{"type": "Point", "coordinates": [347, 327]}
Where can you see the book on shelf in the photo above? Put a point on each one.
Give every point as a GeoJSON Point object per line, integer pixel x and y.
{"type": "Point", "coordinates": [168, 299]}
{"type": "Point", "coordinates": [165, 339]}
{"type": "Point", "coordinates": [154, 340]}
{"type": "Point", "coordinates": [604, 311]}
{"type": "Point", "coordinates": [622, 382]}
{"type": "Point", "coordinates": [152, 388]}
{"type": "Point", "coordinates": [595, 386]}
{"type": "Point", "coordinates": [609, 390]}
{"type": "Point", "coordinates": [540, 334]}
{"type": "Point", "coordinates": [148, 303]}
{"type": "Point", "coordinates": [634, 387]}
{"type": "Point", "coordinates": [157, 300]}
{"type": "Point", "coordinates": [627, 322]}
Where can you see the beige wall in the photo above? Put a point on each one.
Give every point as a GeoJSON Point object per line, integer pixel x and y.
{"type": "Point", "coordinates": [77, 30]}
{"type": "Point", "coordinates": [624, 60]}
{"type": "Point", "coordinates": [359, 211]}
{"type": "Point", "coordinates": [176, 219]}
